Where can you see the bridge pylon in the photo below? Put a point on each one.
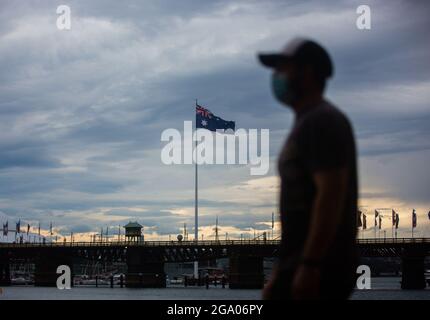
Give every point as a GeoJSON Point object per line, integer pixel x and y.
{"type": "Point", "coordinates": [145, 268]}
{"type": "Point", "coordinates": [4, 271]}
{"type": "Point", "coordinates": [46, 264]}
{"type": "Point", "coordinates": [413, 273]}
{"type": "Point", "coordinates": [246, 271]}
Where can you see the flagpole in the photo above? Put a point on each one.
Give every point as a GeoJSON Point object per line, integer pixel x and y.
{"type": "Point", "coordinates": [273, 222]}
{"type": "Point", "coordinates": [196, 202]}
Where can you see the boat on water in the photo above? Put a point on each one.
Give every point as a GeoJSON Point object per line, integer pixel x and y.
{"type": "Point", "coordinates": [117, 278]}
{"type": "Point", "coordinates": [85, 280]}
{"type": "Point", "coordinates": [20, 281]}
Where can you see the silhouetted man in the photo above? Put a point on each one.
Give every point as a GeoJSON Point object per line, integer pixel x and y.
{"type": "Point", "coordinates": [317, 166]}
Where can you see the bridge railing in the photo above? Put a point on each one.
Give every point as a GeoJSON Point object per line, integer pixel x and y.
{"type": "Point", "coordinates": [143, 243]}
{"type": "Point", "coordinates": [244, 242]}
{"type": "Point", "coordinates": [393, 240]}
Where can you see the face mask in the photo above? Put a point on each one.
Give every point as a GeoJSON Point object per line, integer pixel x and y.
{"type": "Point", "coordinates": [282, 88]}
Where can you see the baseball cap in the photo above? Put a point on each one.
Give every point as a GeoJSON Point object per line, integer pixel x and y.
{"type": "Point", "coordinates": [301, 51]}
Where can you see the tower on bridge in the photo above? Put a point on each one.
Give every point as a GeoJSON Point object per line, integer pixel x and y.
{"type": "Point", "coordinates": [133, 232]}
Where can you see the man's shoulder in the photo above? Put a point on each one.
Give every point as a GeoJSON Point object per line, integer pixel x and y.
{"type": "Point", "coordinates": [325, 110]}
{"type": "Point", "coordinates": [327, 114]}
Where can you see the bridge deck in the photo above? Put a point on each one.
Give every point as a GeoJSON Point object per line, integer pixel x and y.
{"type": "Point", "coordinates": [360, 242]}
{"type": "Point", "coordinates": [144, 243]}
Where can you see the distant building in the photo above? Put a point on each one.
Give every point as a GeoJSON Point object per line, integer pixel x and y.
{"type": "Point", "coordinates": [133, 232]}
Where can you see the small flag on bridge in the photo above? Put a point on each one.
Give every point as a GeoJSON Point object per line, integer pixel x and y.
{"type": "Point", "coordinates": [359, 223]}
{"type": "Point", "coordinates": [414, 219]}
{"type": "Point", "coordinates": [393, 217]}
{"type": "Point", "coordinates": [380, 222]}
{"type": "Point", "coordinates": [376, 216]}
{"type": "Point", "coordinates": [6, 228]}
{"type": "Point", "coordinates": [364, 222]}
{"type": "Point", "coordinates": [207, 120]}
{"type": "Point", "coordinates": [397, 220]}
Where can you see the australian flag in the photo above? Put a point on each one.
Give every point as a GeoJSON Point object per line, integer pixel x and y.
{"type": "Point", "coordinates": [207, 120]}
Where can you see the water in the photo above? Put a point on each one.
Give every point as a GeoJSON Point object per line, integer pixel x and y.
{"type": "Point", "coordinates": [382, 288]}
{"type": "Point", "coordinates": [91, 293]}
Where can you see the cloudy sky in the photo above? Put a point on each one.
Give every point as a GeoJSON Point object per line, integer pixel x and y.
{"type": "Point", "coordinates": [82, 110]}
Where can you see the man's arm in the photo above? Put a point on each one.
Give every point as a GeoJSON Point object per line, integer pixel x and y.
{"type": "Point", "coordinates": [326, 212]}
{"type": "Point", "coordinates": [325, 220]}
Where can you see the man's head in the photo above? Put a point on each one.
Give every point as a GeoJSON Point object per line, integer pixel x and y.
{"type": "Point", "coordinates": [300, 70]}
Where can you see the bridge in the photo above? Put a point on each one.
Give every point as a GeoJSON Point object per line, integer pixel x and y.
{"type": "Point", "coordinates": [145, 260]}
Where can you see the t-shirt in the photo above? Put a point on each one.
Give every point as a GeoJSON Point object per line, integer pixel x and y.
{"type": "Point", "coordinates": [321, 139]}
